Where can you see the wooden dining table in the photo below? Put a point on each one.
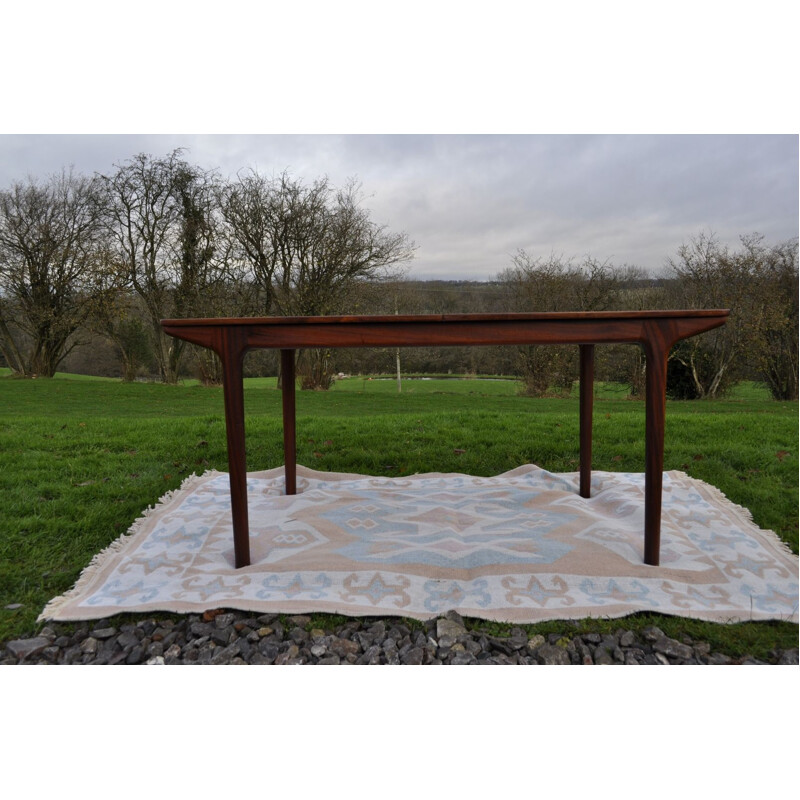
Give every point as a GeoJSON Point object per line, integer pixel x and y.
{"type": "Point", "coordinates": [655, 331]}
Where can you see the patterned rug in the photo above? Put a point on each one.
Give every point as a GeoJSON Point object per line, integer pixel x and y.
{"type": "Point", "coordinates": [519, 547]}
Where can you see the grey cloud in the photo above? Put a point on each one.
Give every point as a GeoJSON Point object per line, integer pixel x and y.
{"type": "Point", "coordinates": [469, 202]}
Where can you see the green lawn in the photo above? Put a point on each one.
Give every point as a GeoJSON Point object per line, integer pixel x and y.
{"type": "Point", "coordinates": [80, 459]}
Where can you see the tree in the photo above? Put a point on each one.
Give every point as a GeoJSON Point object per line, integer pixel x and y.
{"type": "Point", "coordinates": [161, 219]}
{"type": "Point", "coordinates": [556, 284]}
{"type": "Point", "coordinates": [758, 284]}
{"type": "Point", "coordinates": [50, 276]}
{"type": "Point", "coordinates": [773, 352]}
{"type": "Point", "coordinates": [307, 247]}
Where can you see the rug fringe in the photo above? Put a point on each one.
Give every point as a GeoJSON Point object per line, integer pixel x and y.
{"type": "Point", "coordinates": [93, 568]}
{"type": "Point", "coordinates": [744, 513]}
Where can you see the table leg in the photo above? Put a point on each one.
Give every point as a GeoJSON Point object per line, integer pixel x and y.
{"type": "Point", "coordinates": [233, 390]}
{"type": "Point", "coordinates": [289, 428]}
{"type": "Point", "coordinates": [654, 449]}
{"type": "Point", "coordinates": [586, 401]}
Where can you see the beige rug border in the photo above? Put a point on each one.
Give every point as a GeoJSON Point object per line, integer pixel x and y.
{"type": "Point", "coordinates": [95, 572]}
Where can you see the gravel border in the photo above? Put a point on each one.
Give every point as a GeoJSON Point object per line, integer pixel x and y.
{"type": "Point", "coordinates": [232, 637]}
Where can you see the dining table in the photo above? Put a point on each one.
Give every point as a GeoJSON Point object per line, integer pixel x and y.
{"type": "Point", "coordinates": [656, 332]}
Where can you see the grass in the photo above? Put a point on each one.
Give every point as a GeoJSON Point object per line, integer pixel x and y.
{"type": "Point", "coordinates": [80, 459]}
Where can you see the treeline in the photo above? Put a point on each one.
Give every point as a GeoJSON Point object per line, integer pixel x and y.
{"type": "Point", "coordinates": [90, 265]}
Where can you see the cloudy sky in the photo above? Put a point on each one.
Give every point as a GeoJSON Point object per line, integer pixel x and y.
{"type": "Point", "coordinates": [470, 202]}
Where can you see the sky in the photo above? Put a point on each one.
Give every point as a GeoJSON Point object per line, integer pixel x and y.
{"type": "Point", "coordinates": [470, 202]}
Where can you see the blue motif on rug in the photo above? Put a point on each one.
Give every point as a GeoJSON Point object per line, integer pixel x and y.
{"type": "Point", "coordinates": [431, 529]}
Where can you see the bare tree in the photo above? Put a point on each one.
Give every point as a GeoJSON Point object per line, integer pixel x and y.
{"type": "Point", "coordinates": [307, 247]}
{"type": "Point", "coordinates": [161, 219]}
{"type": "Point", "coordinates": [556, 284]}
{"type": "Point", "coordinates": [773, 351]}
{"type": "Point", "coordinates": [50, 277]}
{"type": "Point", "coordinates": [710, 275]}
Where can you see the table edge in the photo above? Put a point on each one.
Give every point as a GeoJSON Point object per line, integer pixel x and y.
{"type": "Point", "coordinates": [445, 318]}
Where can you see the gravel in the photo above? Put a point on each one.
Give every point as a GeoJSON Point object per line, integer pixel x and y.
{"type": "Point", "coordinates": [223, 637]}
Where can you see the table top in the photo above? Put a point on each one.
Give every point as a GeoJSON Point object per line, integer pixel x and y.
{"type": "Point", "coordinates": [447, 318]}
{"type": "Point", "coordinates": [554, 327]}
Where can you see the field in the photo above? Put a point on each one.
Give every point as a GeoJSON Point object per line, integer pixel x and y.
{"type": "Point", "coordinates": [81, 458]}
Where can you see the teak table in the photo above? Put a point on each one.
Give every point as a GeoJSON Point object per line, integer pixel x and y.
{"type": "Point", "coordinates": [655, 331]}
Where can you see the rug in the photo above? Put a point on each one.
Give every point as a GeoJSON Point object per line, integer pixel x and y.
{"type": "Point", "coordinates": [518, 547]}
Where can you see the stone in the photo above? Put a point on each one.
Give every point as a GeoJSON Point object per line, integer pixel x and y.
{"type": "Point", "coordinates": [200, 629]}
{"type": "Point", "coordinates": [372, 655]}
{"type": "Point", "coordinates": [224, 620]}
{"type": "Point", "coordinates": [227, 655]}
{"type": "Point", "coordinates": [155, 660]}
{"type": "Point", "coordinates": [343, 646]}
{"type": "Point", "coordinates": [104, 633]}
{"type": "Point", "coordinates": [535, 642]}
{"type": "Point", "coordinates": [653, 634]}
{"type": "Point", "coordinates": [518, 639]}
{"type": "Point", "coordinates": [449, 627]}
{"type": "Point", "coordinates": [634, 655]}
{"type": "Point", "coordinates": [223, 636]}
{"type": "Point", "coordinates": [472, 646]}
{"type": "Point", "coordinates": [289, 656]}
{"type": "Point", "coordinates": [13, 606]}
{"type": "Point", "coordinates": [365, 640]}
{"type": "Point", "coordinates": [501, 644]}
{"type": "Point", "coordinates": [701, 649]}
{"type": "Point", "coordinates": [298, 635]}
{"type": "Point", "coordinates": [455, 617]}
{"type": "Point", "coordinates": [445, 641]}
{"type": "Point", "coordinates": [603, 657]}
{"type": "Point", "coordinates": [627, 639]}
{"type": "Point", "coordinates": [25, 648]}
{"type": "Point", "coordinates": [551, 654]}
{"type": "Point", "coordinates": [127, 641]}
{"type": "Point", "coordinates": [672, 648]}
{"type": "Point", "coordinates": [269, 650]}
{"type": "Point", "coordinates": [51, 653]}
{"type": "Point", "coordinates": [89, 645]}
{"type": "Point", "coordinates": [413, 656]}
{"type": "Point", "coordinates": [173, 651]}
{"type": "Point", "coordinates": [377, 631]}
{"type": "Point", "coordinates": [399, 632]}
{"type": "Point", "coordinates": [318, 650]}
